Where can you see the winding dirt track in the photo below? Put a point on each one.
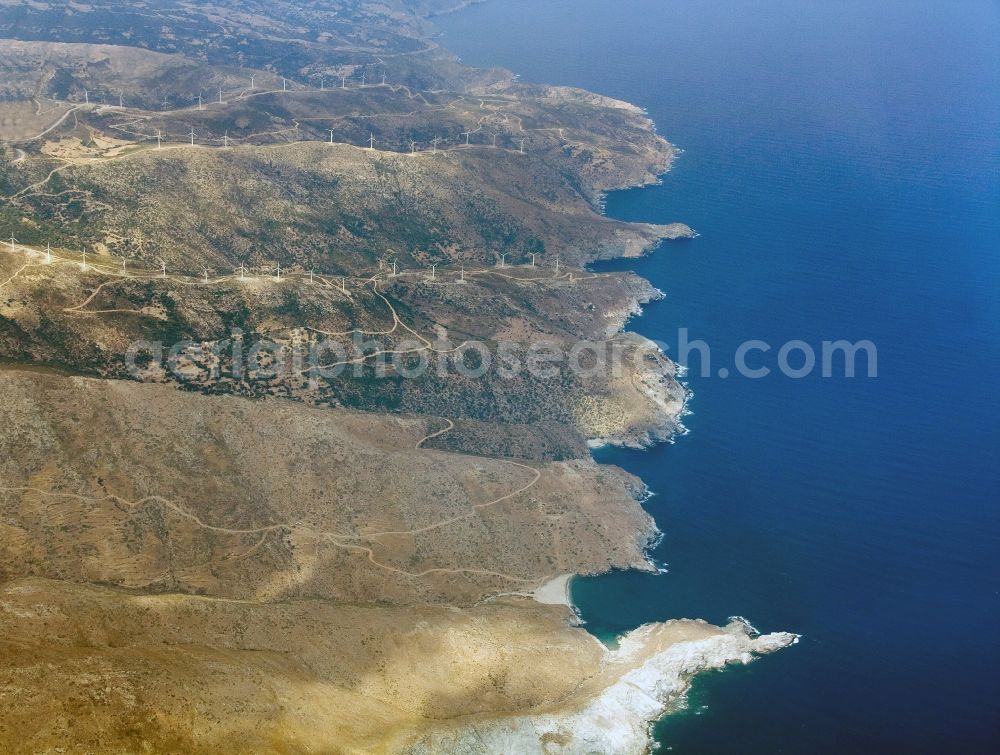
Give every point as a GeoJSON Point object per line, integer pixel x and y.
{"type": "Point", "coordinates": [336, 539]}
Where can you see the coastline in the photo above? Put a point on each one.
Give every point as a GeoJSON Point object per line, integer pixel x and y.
{"type": "Point", "coordinates": [667, 677]}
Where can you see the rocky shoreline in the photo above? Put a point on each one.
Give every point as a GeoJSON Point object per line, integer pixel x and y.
{"type": "Point", "coordinates": [640, 680]}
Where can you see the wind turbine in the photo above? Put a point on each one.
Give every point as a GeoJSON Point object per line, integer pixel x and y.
{"type": "Point", "coordinates": [495, 139]}
{"type": "Point", "coordinates": [466, 134]}
{"type": "Point", "coordinates": [372, 141]}
{"type": "Point", "coordinates": [159, 138]}
{"type": "Point", "coordinates": [322, 83]}
{"type": "Point", "coordinates": [279, 272]}
{"type": "Point", "coordinates": [557, 264]}
{"type": "Point", "coordinates": [84, 265]}
{"type": "Point", "coordinates": [331, 134]}
{"type": "Point", "coordinates": [121, 100]}
{"type": "Point", "coordinates": [220, 95]}
{"type": "Point", "coordinates": [462, 279]}
{"type": "Point", "coordinates": [242, 272]}
{"type": "Point", "coordinates": [383, 78]}
{"type": "Point", "coordinates": [364, 78]}
{"type": "Point", "coordinates": [206, 274]}
{"type": "Point", "coordinates": [225, 140]}
{"type": "Point", "coordinates": [433, 268]}
{"type": "Point", "coordinates": [394, 268]}
{"type": "Point", "coordinates": [123, 266]}
{"type": "Point", "coordinates": [166, 103]}
{"type": "Point", "coordinates": [200, 105]}
{"type": "Point", "coordinates": [192, 136]}
{"type": "Point", "coordinates": [522, 141]}
{"type": "Point", "coordinates": [284, 84]}
{"type": "Point", "coordinates": [86, 96]}
{"type": "Point", "coordinates": [251, 81]}
{"type": "Point", "coordinates": [532, 260]}
{"type": "Point", "coordinates": [503, 260]}
{"type": "Point", "coordinates": [163, 268]}
{"type": "Point", "coordinates": [343, 82]}
{"type": "Point", "coordinates": [435, 141]}
{"type": "Point", "coordinates": [343, 284]}
{"type": "Point", "coordinates": [413, 148]}
{"type": "Point", "coordinates": [311, 276]}
{"type": "Point", "coordinates": [13, 241]}
{"type": "Point", "coordinates": [48, 254]}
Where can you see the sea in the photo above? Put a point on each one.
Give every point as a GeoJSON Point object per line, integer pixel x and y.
{"type": "Point", "coordinates": [841, 163]}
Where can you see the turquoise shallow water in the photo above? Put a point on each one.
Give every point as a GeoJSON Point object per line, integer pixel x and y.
{"type": "Point", "coordinates": [842, 163]}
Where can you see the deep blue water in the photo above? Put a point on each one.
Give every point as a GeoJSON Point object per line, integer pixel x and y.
{"type": "Point", "coordinates": [842, 163]}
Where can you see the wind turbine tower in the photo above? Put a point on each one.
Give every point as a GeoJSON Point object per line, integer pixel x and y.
{"type": "Point", "coordinates": [343, 82]}
{"type": "Point", "coordinates": [192, 136]}
{"type": "Point", "coordinates": [384, 78]}
{"type": "Point", "coordinates": [532, 260]}
{"type": "Point", "coordinates": [220, 95]}
{"type": "Point", "coordinates": [466, 134]}
{"type": "Point", "coordinates": [13, 242]}
{"type": "Point", "coordinates": [159, 138]}
{"type": "Point", "coordinates": [331, 134]}
{"type": "Point", "coordinates": [200, 105]}
{"type": "Point", "coordinates": [522, 141]}
{"type": "Point", "coordinates": [48, 254]}
{"type": "Point", "coordinates": [371, 141]}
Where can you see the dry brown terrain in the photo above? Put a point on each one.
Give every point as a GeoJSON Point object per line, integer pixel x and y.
{"type": "Point", "coordinates": [153, 489]}
{"type": "Point", "coordinates": [216, 574]}
{"type": "Point", "coordinates": [215, 560]}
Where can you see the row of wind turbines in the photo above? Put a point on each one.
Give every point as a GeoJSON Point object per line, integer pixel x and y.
{"type": "Point", "coordinates": [200, 100]}
{"type": "Point", "coordinates": [414, 146]}
{"type": "Point", "coordinates": [226, 139]}
{"type": "Point", "coordinates": [242, 270]}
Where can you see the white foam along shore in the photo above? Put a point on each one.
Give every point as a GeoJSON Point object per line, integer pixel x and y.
{"type": "Point", "coordinates": [639, 681]}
